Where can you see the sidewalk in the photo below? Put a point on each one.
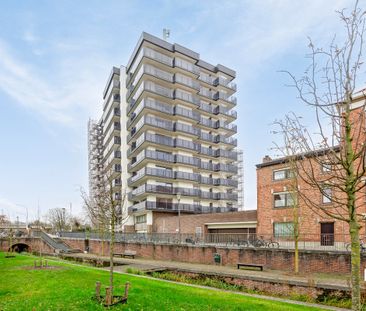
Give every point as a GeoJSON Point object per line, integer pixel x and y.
{"type": "Point", "coordinates": [322, 281]}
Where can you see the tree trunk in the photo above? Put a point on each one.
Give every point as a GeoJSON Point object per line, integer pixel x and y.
{"type": "Point", "coordinates": [111, 251]}
{"type": "Point", "coordinates": [296, 236]}
{"type": "Point", "coordinates": [296, 254]}
{"type": "Point", "coordinates": [355, 265]}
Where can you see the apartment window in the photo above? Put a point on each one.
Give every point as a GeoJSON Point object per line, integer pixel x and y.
{"type": "Point", "coordinates": [141, 219]}
{"type": "Point", "coordinates": [327, 195]}
{"type": "Point", "coordinates": [284, 199]}
{"type": "Point", "coordinates": [283, 174]}
{"type": "Point", "coordinates": [283, 229]}
{"type": "Point", "coordinates": [326, 167]}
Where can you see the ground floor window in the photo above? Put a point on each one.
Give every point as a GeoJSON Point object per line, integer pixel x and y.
{"type": "Point", "coordinates": [327, 234]}
{"type": "Point", "coordinates": [283, 229]}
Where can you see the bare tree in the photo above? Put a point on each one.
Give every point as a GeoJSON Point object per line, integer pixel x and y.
{"type": "Point", "coordinates": [329, 87]}
{"type": "Point", "coordinates": [58, 218]}
{"type": "Point", "coordinates": [107, 209]}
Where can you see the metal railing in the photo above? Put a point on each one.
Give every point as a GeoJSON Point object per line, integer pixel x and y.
{"type": "Point", "coordinates": [187, 97]}
{"type": "Point", "coordinates": [316, 242]}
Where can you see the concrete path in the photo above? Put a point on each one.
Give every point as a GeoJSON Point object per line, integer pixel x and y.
{"type": "Point", "coordinates": [146, 265]}
{"type": "Point", "coordinates": [143, 264]}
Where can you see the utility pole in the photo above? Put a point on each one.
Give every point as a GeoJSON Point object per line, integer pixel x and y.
{"type": "Point", "coordinates": [71, 217]}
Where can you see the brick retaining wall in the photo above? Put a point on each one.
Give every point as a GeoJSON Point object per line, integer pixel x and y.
{"type": "Point", "coordinates": [277, 259]}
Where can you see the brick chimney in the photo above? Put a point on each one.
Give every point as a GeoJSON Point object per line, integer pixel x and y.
{"type": "Point", "coordinates": [266, 159]}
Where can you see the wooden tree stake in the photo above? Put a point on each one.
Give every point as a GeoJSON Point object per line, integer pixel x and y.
{"type": "Point", "coordinates": [97, 290]}
{"type": "Point", "coordinates": [127, 286]}
{"type": "Point", "coordinates": [108, 296]}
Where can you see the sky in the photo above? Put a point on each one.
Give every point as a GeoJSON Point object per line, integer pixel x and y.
{"type": "Point", "coordinates": [55, 58]}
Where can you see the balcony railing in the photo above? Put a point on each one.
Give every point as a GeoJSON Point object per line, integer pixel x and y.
{"type": "Point", "coordinates": [173, 207]}
{"type": "Point", "coordinates": [158, 89]}
{"type": "Point", "coordinates": [193, 161]}
{"type": "Point", "coordinates": [207, 108]}
{"type": "Point", "coordinates": [226, 168]}
{"type": "Point", "coordinates": [226, 140]}
{"type": "Point", "coordinates": [207, 137]}
{"type": "Point", "coordinates": [186, 113]}
{"type": "Point", "coordinates": [186, 81]}
{"type": "Point", "coordinates": [206, 93]}
{"type": "Point", "coordinates": [186, 97]}
{"type": "Point", "coordinates": [207, 151]}
{"type": "Point", "coordinates": [158, 73]}
{"type": "Point", "coordinates": [208, 80]}
{"type": "Point", "coordinates": [186, 66]}
{"type": "Point", "coordinates": [189, 129]}
{"type": "Point", "coordinates": [229, 127]}
{"type": "Point", "coordinates": [225, 111]}
{"type": "Point", "coordinates": [223, 96]}
{"type": "Point", "coordinates": [169, 174]}
{"type": "Point", "coordinates": [226, 83]}
{"type": "Point", "coordinates": [233, 155]}
{"type": "Point", "coordinates": [186, 160]}
{"type": "Point", "coordinates": [149, 188]}
{"type": "Point", "coordinates": [186, 144]}
{"type": "Point", "coordinates": [164, 59]}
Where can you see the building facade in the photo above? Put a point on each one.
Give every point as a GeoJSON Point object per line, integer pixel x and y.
{"type": "Point", "coordinates": [237, 223]}
{"type": "Point", "coordinates": [276, 198]}
{"type": "Point", "coordinates": [167, 134]}
{"type": "Point", "coordinates": [275, 206]}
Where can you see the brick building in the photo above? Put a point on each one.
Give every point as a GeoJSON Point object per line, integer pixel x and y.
{"type": "Point", "coordinates": [275, 204]}
{"type": "Point", "coordinates": [234, 222]}
{"type": "Point", "coordinates": [275, 199]}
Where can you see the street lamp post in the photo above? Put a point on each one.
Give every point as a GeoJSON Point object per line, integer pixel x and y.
{"type": "Point", "coordinates": [178, 198]}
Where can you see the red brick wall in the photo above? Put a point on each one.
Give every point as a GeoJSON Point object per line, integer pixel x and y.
{"type": "Point", "coordinates": [188, 223]}
{"type": "Point", "coordinates": [36, 245]}
{"type": "Point", "coordinates": [310, 261]}
{"type": "Point", "coordinates": [310, 218]}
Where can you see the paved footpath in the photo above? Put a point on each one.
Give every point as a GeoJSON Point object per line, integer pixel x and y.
{"type": "Point", "coordinates": [146, 265]}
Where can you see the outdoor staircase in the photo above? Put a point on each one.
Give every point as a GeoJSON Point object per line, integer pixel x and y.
{"type": "Point", "coordinates": [56, 243]}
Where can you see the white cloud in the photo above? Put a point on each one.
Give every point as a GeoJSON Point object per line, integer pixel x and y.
{"type": "Point", "coordinates": [63, 93]}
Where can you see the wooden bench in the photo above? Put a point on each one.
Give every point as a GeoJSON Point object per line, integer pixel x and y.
{"type": "Point", "coordinates": [126, 253]}
{"type": "Point", "coordinates": [250, 265]}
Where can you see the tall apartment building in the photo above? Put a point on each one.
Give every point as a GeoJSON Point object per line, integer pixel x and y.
{"type": "Point", "coordinates": [167, 134]}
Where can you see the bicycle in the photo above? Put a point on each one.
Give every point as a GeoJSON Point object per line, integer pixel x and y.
{"type": "Point", "coordinates": [272, 244]}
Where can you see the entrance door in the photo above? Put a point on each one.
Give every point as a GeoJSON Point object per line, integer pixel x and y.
{"type": "Point", "coordinates": [327, 234]}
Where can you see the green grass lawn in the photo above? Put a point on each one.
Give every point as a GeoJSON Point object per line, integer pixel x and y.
{"type": "Point", "coordinates": [71, 287]}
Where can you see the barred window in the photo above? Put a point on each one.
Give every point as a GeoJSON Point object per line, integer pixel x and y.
{"type": "Point", "coordinates": [283, 229]}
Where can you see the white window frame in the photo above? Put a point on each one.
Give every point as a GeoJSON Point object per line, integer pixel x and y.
{"type": "Point", "coordinates": [288, 195]}
{"type": "Point", "coordinates": [326, 199]}
{"type": "Point", "coordinates": [287, 173]}
{"type": "Point", "coordinates": [326, 167]}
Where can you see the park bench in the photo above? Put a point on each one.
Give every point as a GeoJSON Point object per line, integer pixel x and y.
{"type": "Point", "coordinates": [126, 253]}
{"type": "Point", "coordinates": [250, 265]}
